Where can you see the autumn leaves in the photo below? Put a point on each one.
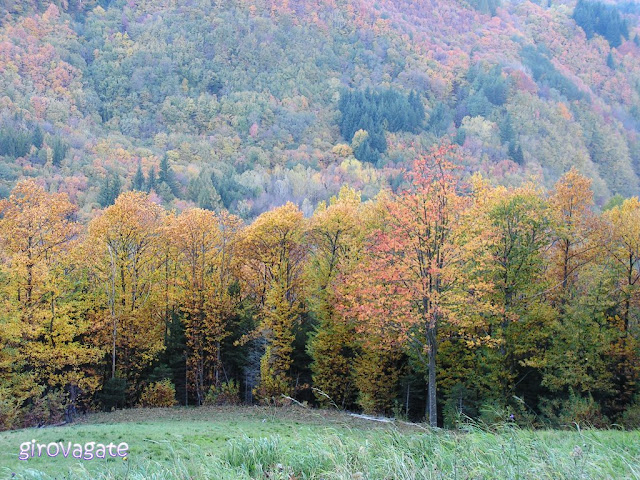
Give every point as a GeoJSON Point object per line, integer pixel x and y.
{"type": "Point", "coordinates": [499, 292]}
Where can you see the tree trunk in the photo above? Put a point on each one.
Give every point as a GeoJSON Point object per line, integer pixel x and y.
{"type": "Point", "coordinates": [113, 350]}
{"type": "Point", "coordinates": [431, 394]}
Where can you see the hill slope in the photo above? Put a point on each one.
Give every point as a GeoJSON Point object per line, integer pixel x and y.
{"type": "Point", "coordinates": [244, 98]}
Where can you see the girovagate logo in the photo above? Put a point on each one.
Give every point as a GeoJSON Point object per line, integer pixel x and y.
{"type": "Point", "coordinates": [86, 451]}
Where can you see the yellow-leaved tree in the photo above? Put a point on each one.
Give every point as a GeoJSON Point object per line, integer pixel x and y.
{"type": "Point", "coordinates": [206, 247]}
{"type": "Point", "coordinates": [44, 357]}
{"type": "Point", "coordinates": [336, 235]}
{"type": "Point", "coordinates": [122, 249]}
{"type": "Point", "coordinates": [275, 255]}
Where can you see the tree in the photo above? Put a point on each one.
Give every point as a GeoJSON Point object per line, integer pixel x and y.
{"type": "Point", "coordinates": [335, 236]}
{"type": "Point", "coordinates": [166, 176]}
{"type": "Point", "coordinates": [623, 246]}
{"type": "Point", "coordinates": [42, 324]}
{"type": "Point", "coordinates": [138, 180]}
{"type": "Point", "coordinates": [574, 225]}
{"type": "Point", "coordinates": [109, 190]}
{"type": "Point", "coordinates": [515, 224]}
{"type": "Point", "coordinates": [275, 255]}
{"type": "Point", "coordinates": [515, 152]}
{"type": "Point", "coordinates": [409, 282]}
{"type": "Point", "coordinates": [207, 263]}
{"type": "Point", "coordinates": [38, 138]}
{"type": "Point", "coordinates": [597, 17]}
{"type": "Point", "coordinates": [152, 180]}
{"type": "Point", "coordinates": [59, 151]}
{"type": "Point", "coordinates": [610, 61]}
{"type": "Point", "coordinates": [122, 245]}
{"type": "Point", "coordinates": [202, 191]}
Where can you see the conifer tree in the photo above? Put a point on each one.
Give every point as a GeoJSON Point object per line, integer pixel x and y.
{"type": "Point", "coordinates": [139, 180]}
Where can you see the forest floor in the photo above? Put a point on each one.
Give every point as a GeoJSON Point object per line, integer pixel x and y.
{"type": "Point", "coordinates": [296, 443]}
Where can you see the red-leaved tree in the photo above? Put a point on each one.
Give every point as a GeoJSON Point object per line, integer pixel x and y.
{"type": "Point", "coordinates": [411, 280]}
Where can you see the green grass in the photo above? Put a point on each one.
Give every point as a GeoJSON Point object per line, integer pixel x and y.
{"type": "Point", "coordinates": [237, 443]}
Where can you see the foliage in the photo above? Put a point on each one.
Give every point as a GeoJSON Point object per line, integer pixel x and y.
{"type": "Point", "coordinates": [601, 18]}
{"type": "Point", "coordinates": [545, 73]}
{"type": "Point", "coordinates": [576, 409]}
{"type": "Point", "coordinates": [158, 394]}
{"type": "Point", "coordinates": [631, 417]}
{"type": "Point", "coordinates": [275, 257]}
{"type": "Point", "coordinates": [114, 393]}
{"type": "Point", "coordinates": [368, 272]}
{"type": "Point", "coordinates": [228, 393]}
{"type": "Point", "coordinates": [374, 112]}
{"type": "Point", "coordinates": [96, 89]}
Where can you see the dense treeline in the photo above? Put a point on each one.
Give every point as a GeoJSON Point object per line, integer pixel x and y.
{"type": "Point", "coordinates": [369, 114]}
{"type": "Point", "coordinates": [450, 297]}
{"type": "Point", "coordinates": [597, 17]}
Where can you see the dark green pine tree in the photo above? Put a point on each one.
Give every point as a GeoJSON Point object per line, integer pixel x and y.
{"type": "Point", "coordinates": [138, 180]}
{"type": "Point", "coordinates": [37, 138]}
{"type": "Point", "coordinates": [202, 191]}
{"type": "Point", "coordinates": [378, 140]}
{"type": "Point", "coordinates": [507, 134]}
{"type": "Point", "coordinates": [165, 175]}
{"type": "Point", "coordinates": [515, 152]}
{"type": "Point", "coordinates": [109, 190]}
{"type": "Point", "coordinates": [14, 143]}
{"type": "Point", "coordinates": [417, 115]}
{"type": "Point", "coordinates": [59, 151]}
{"type": "Point", "coordinates": [164, 191]}
{"type": "Point", "coordinates": [116, 187]}
{"type": "Point", "coordinates": [151, 180]}
{"type": "Point", "coordinates": [610, 62]}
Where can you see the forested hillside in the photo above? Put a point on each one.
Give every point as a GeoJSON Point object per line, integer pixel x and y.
{"type": "Point", "coordinates": [252, 104]}
{"type": "Point", "coordinates": [449, 300]}
{"type": "Point", "coordinates": [425, 208]}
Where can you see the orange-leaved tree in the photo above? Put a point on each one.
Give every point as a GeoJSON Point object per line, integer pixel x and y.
{"type": "Point", "coordinates": [408, 286]}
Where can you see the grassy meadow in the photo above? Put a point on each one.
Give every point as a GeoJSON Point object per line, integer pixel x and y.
{"type": "Point", "coordinates": [245, 442]}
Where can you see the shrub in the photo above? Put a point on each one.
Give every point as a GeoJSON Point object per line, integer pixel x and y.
{"type": "Point", "coordinates": [9, 410]}
{"type": "Point", "coordinates": [631, 416]}
{"type": "Point", "coordinates": [45, 410]}
{"type": "Point", "coordinates": [227, 393]}
{"type": "Point", "coordinates": [584, 411]}
{"type": "Point", "coordinates": [493, 414]}
{"type": "Point", "coordinates": [159, 394]}
{"type": "Point", "coordinates": [113, 394]}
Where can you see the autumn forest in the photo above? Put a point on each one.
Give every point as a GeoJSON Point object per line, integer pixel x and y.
{"type": "Point", "coordinates": [450, 297]}
{"type": "Point", "coordinates": [419, 209]}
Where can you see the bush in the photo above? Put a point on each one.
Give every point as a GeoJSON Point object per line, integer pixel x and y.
{"type": "Point", "coordinates": [226, 394]}
{"type": "Point", "coordinates": [159, 394]}
{"type": "Point", "coordinates": [494, 414]}
{"type": "Point", "coordinates": [584, 411]}
{"type": "Point", "coordinates": [45, 410]}
{"type": "Point", "coordinates": [113, 394]}
{"type": "Point", "coordinates": [631, 416]}
{"type": "Point", "coordinates": [9, 410]}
